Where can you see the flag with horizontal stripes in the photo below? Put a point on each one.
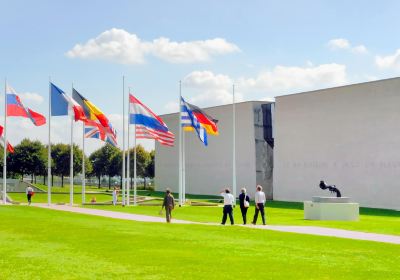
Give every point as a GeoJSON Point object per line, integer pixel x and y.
{"type": "Point", "coordinates": [189, 119]}
{"type": "Point", "coordinates": [148, 125]}
{"type": "Point", "coordinates": [15, 108]}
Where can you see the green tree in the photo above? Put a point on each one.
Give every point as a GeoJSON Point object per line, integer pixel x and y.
{"type": "Point", "coordinates": [142, 160]}
{"type": "Point", "coordinates": [29, 158]}
{"type": "Point", "coordinates": [106, 161]}
{"type": "Point", "coordinates": [61, 155]}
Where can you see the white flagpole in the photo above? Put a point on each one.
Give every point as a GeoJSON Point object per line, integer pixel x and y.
{"type": "Point", "coordinates": [83, 165]}
{"type": "Point", "coordinates": [180, 145]}
{"type": "Point", "coordinates": [128, 163]}
{"type": "Point", "coordinates": [5, 145]}
{"type": "Point", "coordinates": [123, 140]}
{"type": "Point", "coordinates": [234, 144]}
{"type": "Point", "coordinates": [135, 169]}
{"type": "Point", "coordinates": [49, 152]}
{"type": "Point", "coordinates": [183, 169]}
{"type": "Point", "coordinates": [71, 164]}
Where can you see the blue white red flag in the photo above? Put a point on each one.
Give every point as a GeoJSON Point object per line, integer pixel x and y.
{"type": "Point", "coordinates": [60, 102]}
{"type": "Point", "coordinates": [94, 129]}
{"type": "Point", "coordinates": [148, 125]}
{"type": "Point", "coordinates": [189, 119]}
{"type": "Point", "coordinates": [15, 108]}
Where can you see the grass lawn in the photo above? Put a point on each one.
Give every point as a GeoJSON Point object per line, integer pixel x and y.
{"type": "Point", "coordinates": [278, 213]}
{"type": "Point", "coordinates": [77, 188]}
{"type": "Point", "coordinates": [47, 244]}
{"type": "Point", "coordinates": [58, 197]}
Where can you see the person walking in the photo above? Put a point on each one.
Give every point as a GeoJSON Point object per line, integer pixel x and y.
{"type": "Point", "coordinates": [115, 196]}
{"type": "Point", "coordinates": [228, 206]}
{"type": "Point", "coordinates": [259, 198]}
{"type": "Point", "coordinates": [169, 204]}
{"type": "Point", "coordinates": [244, 202]}
{"type": "Point", "coordinates": [29, 194]}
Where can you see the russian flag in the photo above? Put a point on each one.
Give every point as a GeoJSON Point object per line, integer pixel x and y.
{"type": "Point", "coordinates": [60, 102]}
{"type": "Point", "coordinates": [15, 108]}
{"type": "Point", "coordinates": [148, 124]}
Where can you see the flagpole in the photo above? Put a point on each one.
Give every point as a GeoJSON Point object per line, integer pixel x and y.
{"type": "Point", "coordinates": [83, 164]}
{"type": "Point", "coordinates": [123, 141]}
{"type": "Point", "coordinates": [5, 145]}
{"type": "Point", "coordinates": [135, 169]}
{"type": "Point", "coordinates": [128, 162]}
{"type": "Point", "coordinates": [49, 152]}
{"type": "Point", "coordinates": [180, 145]}
{"type": "Point", "coordinates": [71, 163]}
{"type": "Point", "coordinates": [234, 144]}
{"type": "Point", "coordinates": [183, 169]}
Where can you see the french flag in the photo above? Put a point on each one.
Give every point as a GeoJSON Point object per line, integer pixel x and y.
{"type": "Point", "coordinates": [148, 124]}
{"type": "Point", "coordinates": [60, 102]}
{"type": "Point", "coordinates": [15, 108]}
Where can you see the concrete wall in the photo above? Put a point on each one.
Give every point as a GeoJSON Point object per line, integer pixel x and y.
{"type": "Point", "coordinates": [209, 169]}
{"type": "Point", "coordinates": [348, 136]}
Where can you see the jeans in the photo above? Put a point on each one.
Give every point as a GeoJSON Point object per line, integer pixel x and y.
{"type": "Point", "coordinates": [261, 210]}
{"type": "Point", "coordinates": [228, 210]}
{"type": "Point", "coordinates": [168, 212]}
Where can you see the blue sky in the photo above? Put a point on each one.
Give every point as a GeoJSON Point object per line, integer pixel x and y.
{"type": "Point", "coordinates": [266, 48]}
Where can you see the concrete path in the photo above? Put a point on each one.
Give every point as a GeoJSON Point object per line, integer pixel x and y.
{"type": "Point", "coordinates": [321, 231]}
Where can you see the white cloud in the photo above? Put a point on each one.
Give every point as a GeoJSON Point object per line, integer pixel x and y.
{"type": "Point", "coordinates": [344, 44]}
{"type": "Point", "coordinates": [209, 89]}
{"type": "Point", "coordinates": [118, 45]}
{"type": "Point", "coordinates": [31, 98]}
{"type": "Point", "coordinates": [339, 43]}
{"type": "Point", "coordinates": [389, 61]}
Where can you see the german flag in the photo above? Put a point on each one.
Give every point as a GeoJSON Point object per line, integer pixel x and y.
{"type": "Point", "coordinates": [205, 120]}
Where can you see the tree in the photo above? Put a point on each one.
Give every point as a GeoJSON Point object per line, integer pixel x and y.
{"type": "Point", "coordinates": [61, 155]}
{"type": "Point", "coordinates": [142, 160]}
{"type": "Point", "coordinates": [29, 158]}
{"type": "Point", "coordinates": [106, 161]}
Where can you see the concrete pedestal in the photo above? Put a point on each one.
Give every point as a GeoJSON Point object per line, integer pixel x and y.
{"type": "Point", "coordinates": [331, 208]}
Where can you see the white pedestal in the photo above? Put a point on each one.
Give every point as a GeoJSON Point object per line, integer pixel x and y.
{"type": "Point", "coordinates": [334, 211]}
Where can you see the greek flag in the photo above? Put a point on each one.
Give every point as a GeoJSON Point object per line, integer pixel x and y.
{"type": "Point", "coordinates": [188, 119]}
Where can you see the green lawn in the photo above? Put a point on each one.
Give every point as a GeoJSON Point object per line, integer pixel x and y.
{"type": "Point", "coordinates": [77, 188]}
{"type": "Point", "coordinates": [279, 213]}
{"type": "Point", "coordinates": [47, 244]}
{"type": "Point", "coordinates": [58, 197]}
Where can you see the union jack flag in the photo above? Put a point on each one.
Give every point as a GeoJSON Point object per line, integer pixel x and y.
{"type": "Point", "coordinates": [94, 129]}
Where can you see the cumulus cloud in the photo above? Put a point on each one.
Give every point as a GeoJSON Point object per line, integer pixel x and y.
{"type": "Point", "coordinates": [389, 62]}
{"type": "Point", "coordinates": [344, 44]}
{"type": "Point", "coordinates": [208, 89]}
{"type": "Point", "coordinates": [120, 46]}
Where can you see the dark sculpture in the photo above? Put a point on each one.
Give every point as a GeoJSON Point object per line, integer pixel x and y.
{"type": "Point", "coordinates": [332, 188]}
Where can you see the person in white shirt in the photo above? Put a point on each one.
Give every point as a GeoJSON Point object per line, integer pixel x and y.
{"type": "Point", "coordinates": [115, 196]}
{"type": "Point", "coordinates": [228, 206]}
{"type": "Point", "coordinates": [259, 198]}
{"type": "Point", "coordinates": [29, 193]}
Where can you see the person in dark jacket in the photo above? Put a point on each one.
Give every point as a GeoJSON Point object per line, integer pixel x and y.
{"type": "Point", "coordinates": [169, 204]}
{"type": "Point", "coordinates": [244, 206]}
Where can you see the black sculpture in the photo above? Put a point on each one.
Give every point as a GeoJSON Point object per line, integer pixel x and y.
{"type": "Point", "coordinates": [332, 188]}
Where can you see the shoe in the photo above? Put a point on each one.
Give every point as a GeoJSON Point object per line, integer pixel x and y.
{"type": "Point", "coordinates": [253, 223]}
{"type": "Point", "coordinates": [222, 224]}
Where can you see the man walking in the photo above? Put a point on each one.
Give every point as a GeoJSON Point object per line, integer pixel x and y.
{"type": "Point", "coordinates": [228, 206]}
{"type": "Point", "coordinates": [260, 201]}
{"type": "Point", "coordinates": [29, 193]}
{"type": "Point", "coordinates": [169, 204]}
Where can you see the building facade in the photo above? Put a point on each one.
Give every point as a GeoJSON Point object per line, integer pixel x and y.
{"type": "Point", "coordinates": [209, 169]}
{"type": "Point", "coordinates": [348, 136]}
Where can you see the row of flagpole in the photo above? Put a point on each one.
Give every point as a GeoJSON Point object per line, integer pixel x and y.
{"type": "Point", "coordinates": [125, 165]}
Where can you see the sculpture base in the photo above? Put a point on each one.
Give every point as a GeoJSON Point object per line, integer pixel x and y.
{"type": "Point", "coordinates": [332, 208]}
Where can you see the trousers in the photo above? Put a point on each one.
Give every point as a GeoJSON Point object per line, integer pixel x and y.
{"type": "Point", "coordinates": [261, 210]}
{"type": "Point", "coordinates": [244, 214]}
{"type": "Point", "coordinates": [228, 210]}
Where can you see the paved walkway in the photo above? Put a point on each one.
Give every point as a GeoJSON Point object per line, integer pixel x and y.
{"type": "Point", "coordinates": [321, 231]}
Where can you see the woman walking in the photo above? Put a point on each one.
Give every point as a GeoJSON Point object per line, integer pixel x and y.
{"type": "Point", "coordinates": [244, 201]}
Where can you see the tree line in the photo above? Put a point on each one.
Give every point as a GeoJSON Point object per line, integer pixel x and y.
{"type": "Point", "coordinates": [30, 159]}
